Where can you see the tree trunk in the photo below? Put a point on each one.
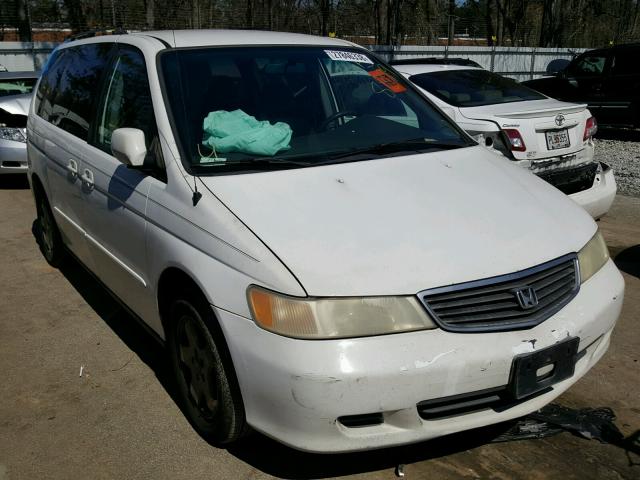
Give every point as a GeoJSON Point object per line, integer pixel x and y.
{"type": "Point", "coordinates": [248, 16]}
{"type": "Point", "coordinates": [488, 18]}
{"type": "Point", "coordinates": [451, 24]}
{"type": "Point", "coordinates": [24, 22]}
{"type": "Point", "coordinates": [77, 20]}
{"type": "Point", "coordinates": [149, 13]}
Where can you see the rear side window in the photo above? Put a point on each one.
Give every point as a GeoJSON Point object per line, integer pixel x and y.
{"type": "Point", "coordinates": [69, 88]}
{"type": "Point", "coordinates": [472, 88]}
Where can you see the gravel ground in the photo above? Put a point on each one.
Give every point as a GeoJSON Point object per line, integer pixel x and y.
{"type": "Point", "coordinates": [621, 150]}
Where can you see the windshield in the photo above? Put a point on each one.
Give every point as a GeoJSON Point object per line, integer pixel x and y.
{"type": "Point", "coordinates": [473, 88]}
{"type": "Point", "coordinates": [243, 108]}
{"type": "Point", "coordinates": [16, 86]}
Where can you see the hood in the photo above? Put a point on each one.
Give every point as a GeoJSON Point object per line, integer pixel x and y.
{"type": "Point", "coordinates": [16, 104]}
{"type": "Point", "coordinates": [517, 110]}
{"type": "Point", "coordinates": [403, 224]}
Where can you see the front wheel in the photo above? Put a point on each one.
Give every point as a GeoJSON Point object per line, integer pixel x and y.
{"type": "Point", "coordinates": [204, 373]}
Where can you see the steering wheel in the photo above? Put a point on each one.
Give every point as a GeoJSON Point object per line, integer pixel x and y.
{"type": "Point", "coordinates": [332, 118]}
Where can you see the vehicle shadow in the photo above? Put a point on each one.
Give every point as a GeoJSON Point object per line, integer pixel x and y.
{"type": "Point", "coordinates": [136, 337]}
{"type": "Point", "coordinates": [628, 260]}
{"type": "Point", "coordinates": [14, 181]}
{"type": "Point", "coordinates": [621, 134]}
{"type": "Point", "coordinates": [280, 461]}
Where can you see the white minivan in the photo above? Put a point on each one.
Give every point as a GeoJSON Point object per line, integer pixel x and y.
{"type": "Point", "coordinates": [328, 258]}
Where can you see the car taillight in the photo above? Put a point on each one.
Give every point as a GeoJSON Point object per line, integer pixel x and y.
{"type": "Point", "coordinates": [515, 140]}
{"type": "Point", "coordinates": [590, 129]}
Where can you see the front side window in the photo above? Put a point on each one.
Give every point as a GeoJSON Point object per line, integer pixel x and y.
{"type": "Point", "coordinates": [127, 101]}
{"type": "Point", "coordinates": [69, 87]}
{"type": "Point", "coordinates": [588, 64]}
{"type": "Point", "coordinates": [472, 88]}
{"type": "Point", "coordinates": [248, 108]}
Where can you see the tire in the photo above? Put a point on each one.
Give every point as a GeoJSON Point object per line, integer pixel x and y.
{"type": "Point", "coordinates": [47, 234]}
{"type": "Point", "coordinates": [204, 375]}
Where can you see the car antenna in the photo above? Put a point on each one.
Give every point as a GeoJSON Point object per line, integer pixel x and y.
{"type": "Point", "coordinates": [196, 194]}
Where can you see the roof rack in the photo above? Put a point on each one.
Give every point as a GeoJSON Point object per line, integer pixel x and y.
{"type": "Point", "coordinates": [93, 33]}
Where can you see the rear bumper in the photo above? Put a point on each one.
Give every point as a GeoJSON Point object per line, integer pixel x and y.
{"type": "Point", "coordinates": [13, 157]}
{"type": "Point", "coordinates": [295, 390]}
{"type": "Point", "coordinates": [597, 200]}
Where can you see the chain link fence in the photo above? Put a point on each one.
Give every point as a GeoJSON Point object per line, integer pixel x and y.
{"type": "Point", "coordinates": [521, 23]}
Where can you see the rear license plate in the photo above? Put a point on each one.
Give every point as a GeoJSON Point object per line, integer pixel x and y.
{"type": "Point", "coordinates": [557, 139]}
{"type": "Point", "coordinates": [532, 372]}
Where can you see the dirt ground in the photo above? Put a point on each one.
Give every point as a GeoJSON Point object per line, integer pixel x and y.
{"type": "Point", "coordinates": [119, 419]}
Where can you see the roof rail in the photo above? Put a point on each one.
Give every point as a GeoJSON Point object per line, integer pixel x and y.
{"type": "Point", "coordinates": [93, 33]}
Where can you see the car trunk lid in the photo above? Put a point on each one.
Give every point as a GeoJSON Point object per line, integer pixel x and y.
{"type": "Point", "coordinates": [549, 128]}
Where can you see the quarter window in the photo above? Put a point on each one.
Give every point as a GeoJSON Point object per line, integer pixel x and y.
{"type": "Point", "coordinates": [626, 64]}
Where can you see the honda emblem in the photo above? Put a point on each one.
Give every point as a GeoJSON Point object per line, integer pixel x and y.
{"type": "Point", "coordinates": [526, 297]}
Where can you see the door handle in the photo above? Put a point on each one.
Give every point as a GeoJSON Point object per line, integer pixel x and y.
{"type": "Point", "coordinates": [72, 167]}
{"type": "Point", "coordinates": [87, 178]}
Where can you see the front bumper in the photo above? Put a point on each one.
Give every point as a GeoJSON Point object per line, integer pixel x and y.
{"type": "Point", "coordinates": [13, 157]}
{"type": "Point", "coordinates": [597, 200]}
{"type": "Point", "coordinates": [295, 390]}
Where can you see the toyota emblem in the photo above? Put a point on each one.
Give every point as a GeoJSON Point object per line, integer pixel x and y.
{"type": "Point", "coordinates": [559, 120]}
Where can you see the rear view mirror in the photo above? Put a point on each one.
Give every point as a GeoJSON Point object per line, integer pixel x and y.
{"type": "Point", "coordinates": [128, 146]}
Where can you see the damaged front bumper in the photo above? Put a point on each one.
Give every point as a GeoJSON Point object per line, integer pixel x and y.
{"type": "Point", "coordinates": [13, 157]}
{"type": "Point", "coordinates": [364, 393]}
{"type": "Point", "coordinates": [598, 199]}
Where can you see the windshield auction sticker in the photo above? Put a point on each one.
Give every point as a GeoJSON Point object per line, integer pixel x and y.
{"type": "Point", "coordinates": [387, 80]}
{"type": "Point", "coordinates": [341, 56]}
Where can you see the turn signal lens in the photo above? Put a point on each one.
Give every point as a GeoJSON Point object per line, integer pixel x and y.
{"type": "Point", "coordinates": [592, 257]}
{"type": "Point", "coordinates": [590, 129]}
{"type": "Point", "coordinates": [515, 140]}
{"type": "Point", "coordinates": [317, 318]}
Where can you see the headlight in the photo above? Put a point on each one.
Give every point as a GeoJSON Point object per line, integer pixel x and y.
{"type": "Point", "coordinates": [15, 134]}
{"type": "Point", "coordinates": [592, 257]}
{"type": "Point", "coordinates": [336, 317]}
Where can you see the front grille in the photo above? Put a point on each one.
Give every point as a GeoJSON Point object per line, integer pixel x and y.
{"type": "Point", "coordinates": [572, 180]}
{"type": "Point", "coordinates": [495, 304]}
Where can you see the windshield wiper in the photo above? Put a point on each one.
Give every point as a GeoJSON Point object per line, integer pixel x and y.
{"type": "Point", "coordinates": [258, 163]}
{"type": "Point", "coordinates": [415, 144]}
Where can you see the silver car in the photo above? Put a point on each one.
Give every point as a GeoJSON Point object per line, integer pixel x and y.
{"type": "Point", "coordinates": [15, 97]}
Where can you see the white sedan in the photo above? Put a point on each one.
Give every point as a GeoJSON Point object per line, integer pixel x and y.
{"type": "Point", "coordinates": [551, 138]}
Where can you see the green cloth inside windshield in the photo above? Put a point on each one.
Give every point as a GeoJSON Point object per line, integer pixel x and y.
{"type": "Point", "coordinates": [236, 131]}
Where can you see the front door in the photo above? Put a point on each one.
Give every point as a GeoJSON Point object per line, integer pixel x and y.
{"type": "Point", "coordinates": [116, 196]}
{"type": "Point", "coordinates": [622, 87]}
{"type": "Point", "coordinates": [587, 74]}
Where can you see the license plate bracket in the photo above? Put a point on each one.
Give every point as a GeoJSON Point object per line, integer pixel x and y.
{"type": "Point", "coordinates": [557, 139]}
{"type": "Point", "coordinates": [556, 363]}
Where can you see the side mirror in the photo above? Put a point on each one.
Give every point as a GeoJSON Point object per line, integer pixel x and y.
{"type": "Point", "coordinates": [128, 146]}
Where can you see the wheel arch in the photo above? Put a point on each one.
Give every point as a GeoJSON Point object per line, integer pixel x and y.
{"type": "Point", "coordinates": [172, 280]}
